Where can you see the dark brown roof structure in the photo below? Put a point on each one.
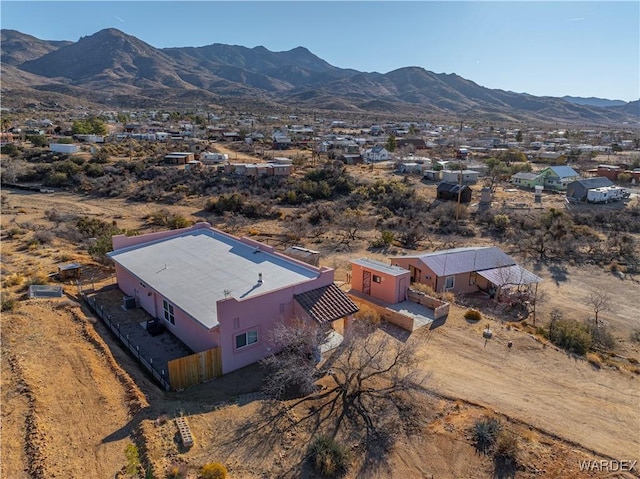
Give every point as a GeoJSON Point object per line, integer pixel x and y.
{"type": "Point", "coordinates": [326, 304]}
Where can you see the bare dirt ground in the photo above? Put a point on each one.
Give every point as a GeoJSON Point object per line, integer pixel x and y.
{"type": "Point", "coordinates": [72, 399]}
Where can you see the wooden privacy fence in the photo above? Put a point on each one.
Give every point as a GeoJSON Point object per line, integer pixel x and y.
{"type": "Point", "coordinates": [194, 369]}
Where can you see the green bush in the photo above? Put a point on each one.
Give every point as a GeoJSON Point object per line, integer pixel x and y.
{"type": "Point", "coordinates": [472, 315]}
{"type": "Point", "coordinates": [328, 456]}
{"type": "Point", "coordinates": [485, 432]}
{"type": "Point", "coordinates": [213, 470]}
{"type": "Point", "coordinates": [571, 335]}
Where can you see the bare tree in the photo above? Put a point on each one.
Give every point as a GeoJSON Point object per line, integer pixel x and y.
{"type": "Point", "coordinates": [374, 374]}
{"type": "Point", "coordinates": [599, 300]}
{"type": "Point", "coordinates": [292, 366]}
{"type": "Point", "coordinates": [371, 372]}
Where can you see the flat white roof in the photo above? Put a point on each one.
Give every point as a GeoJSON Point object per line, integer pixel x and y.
{"type": "Point", "coordinates": [196, 269]}
{"type": "Point", "coordinates": [380, 266]}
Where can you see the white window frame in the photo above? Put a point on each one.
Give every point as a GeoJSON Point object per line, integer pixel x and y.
{"type": "Point", "coordinates": [250, 338]}
{"type": "Point", "coordinates": [446, 282]}
{"type": "Point", "coordinates": [376, 278]}
{"type": "Point", "coordinates": [168, 312]}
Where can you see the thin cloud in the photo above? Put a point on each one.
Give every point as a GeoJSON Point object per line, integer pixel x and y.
{"type": "Point", "coordinates": [579, 19]}
{"type": "Point", "coordinates": [118, 18]}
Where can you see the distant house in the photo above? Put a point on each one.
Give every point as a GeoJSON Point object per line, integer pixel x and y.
{"type": "Point", "coordinates": [579, 189]}
{"type": "Point", "coordinates": [466, 270]}
{"type": "Point", "coordinates": [558, 177]}
{"type": "Point", "coordinates": [466, 177]}
{"type": "Point", "coordinates": [380, 280]}
{"type": "Point", "coordinates": [453, 191]}
{"type": "Point", "coordinates": [377, 153]}
{"type": "Point", "coordinates": [179, 158]}
{"type": "Point", "coordinates": [550, 178]}
{"type": "Point", "coordinates": [415, 143]}
{"type": "Point", "coordinates": [64, 148]}
{"type": "Point", "coordinates": [214, 290]}
{"type": "Point", "coordinates": [526, 179]}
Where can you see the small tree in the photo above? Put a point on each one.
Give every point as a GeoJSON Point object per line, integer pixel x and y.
{"type": "Point", "coordinates": [392, 144]}
{"type": "Point", "coordinates": [600, 301]}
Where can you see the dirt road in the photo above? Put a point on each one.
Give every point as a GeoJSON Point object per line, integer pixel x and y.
{"type": "Point", "coordinates": [597, 408]}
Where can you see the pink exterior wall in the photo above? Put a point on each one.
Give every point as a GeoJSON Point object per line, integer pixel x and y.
{"type": "Point", "coordinates": [391, 289]}
{"type": "Point", "coordinates": [428, 277]}
{"type": "Point", "coordinates": [196, 336]}
{"type": "Point", "coordinates": [260, 313]}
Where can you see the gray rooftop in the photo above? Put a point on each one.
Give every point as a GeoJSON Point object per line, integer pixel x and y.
{"type": "Point", "coordinates": [196, 269]}
{"type": "Point", "coordinates": [525, 175]}
{"type": "Point", "coordinates": [463, 260]}
{"type": "Point", "coordinates": [380, 266]}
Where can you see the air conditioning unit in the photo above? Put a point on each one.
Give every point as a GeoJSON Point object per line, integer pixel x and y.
{"type": "Point", "coordinates": [129, 302]}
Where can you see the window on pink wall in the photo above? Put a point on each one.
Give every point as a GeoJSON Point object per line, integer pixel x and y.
{"type": "Point", "coordinates": [246, 339]}
{"type": "Point", "coordinates": [168, 311]}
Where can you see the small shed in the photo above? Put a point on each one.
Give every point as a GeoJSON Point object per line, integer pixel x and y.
{"type": "Point", "coordinates": [465, 176]}
{"type": "Point", "coordinates": [380, 280]}
{"type": "Point", "coordinates": [69, 271]}
{"type": "Point", "coordinates": [451, 192]}
{"type": "Point", "coordinates": [579, 189]}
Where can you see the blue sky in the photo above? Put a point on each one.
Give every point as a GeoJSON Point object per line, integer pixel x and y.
{"type": "Point", "coordinates": [542, 48]}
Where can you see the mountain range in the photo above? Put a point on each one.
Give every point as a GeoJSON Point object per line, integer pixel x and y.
{"type": "Point", "coordinates": [116, 70]}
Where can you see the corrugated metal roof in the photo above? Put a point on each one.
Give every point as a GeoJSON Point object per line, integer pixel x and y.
{"type": "Point", "coordinates": [597, 182]}
{"type": "Point", "coordinates": [564, 171]}
{"type": "Point", "coordinates": [463, 260]}
{"type": "Point", "coordinates": [380, 266]}
{"type": "Point", "coordinates": [196, 269]}
{"type": "Point", "coordinates": [525, 175]}
{"type": "Point", "coordinates": [326, 304]}
{"type": "Point", "coordinates": [510, 275]}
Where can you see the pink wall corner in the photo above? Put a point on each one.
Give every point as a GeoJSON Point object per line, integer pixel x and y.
{"type": "Point", "coordinates": [262, 314]}
{"type": "Point", "coordinates": [388, 289]}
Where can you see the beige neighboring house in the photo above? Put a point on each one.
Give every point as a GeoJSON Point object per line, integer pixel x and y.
{"type": "Point", "coordinates": [466, 270]}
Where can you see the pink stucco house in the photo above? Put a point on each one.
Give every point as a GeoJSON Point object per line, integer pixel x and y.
{"type": "Point", "coordinates": [212, 289]}
{"type": "Point", "coordinates": [380, 280]}
{"type": "Point", "coordinates": [466, 270]}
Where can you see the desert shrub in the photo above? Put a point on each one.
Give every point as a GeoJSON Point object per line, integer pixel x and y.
{"type": "Point", "coordinates": [472, 315]}
{"type": "Point", "coordinates": [13, 232]}
{"type": "Point", "coordinates": [37, 279]}
{"type": "Point", "coordinates": [213, 470]}
{"type": "Point", "coordinates": [601, 336]}
{"type": "Point", "coordinates": [177, 471]}
{"type": "Point", "coordinates": [44, 236]}
{"type": "Point", "coordinates": [133, 458]}
{"type": "Point", "coordinates": [635, 335]}
{"type": "Point", "coordinates": [14, 279]}
{"type": "Point", "coordinates": [56, 178]}
{"type": "Point", "coordinates": [571, 335]}
{"type": "Point", "coordinates": [8, 303]}
{"type": "Point", "coordinates": [328, 456]}
{"type": "Point", "coordinates": [369, 314]}
{"type": "Point", "coordinates": [485, 432]}
{"type": "Point", "coordinates": [594, 360]}
{"type": "Point", "coordinates": [385, 239]}
{"type": "Point", "coordinates": [507, 448]}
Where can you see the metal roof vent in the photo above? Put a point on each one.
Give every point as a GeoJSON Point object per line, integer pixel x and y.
{"type": "Point", "coordinates": [259, 278]}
